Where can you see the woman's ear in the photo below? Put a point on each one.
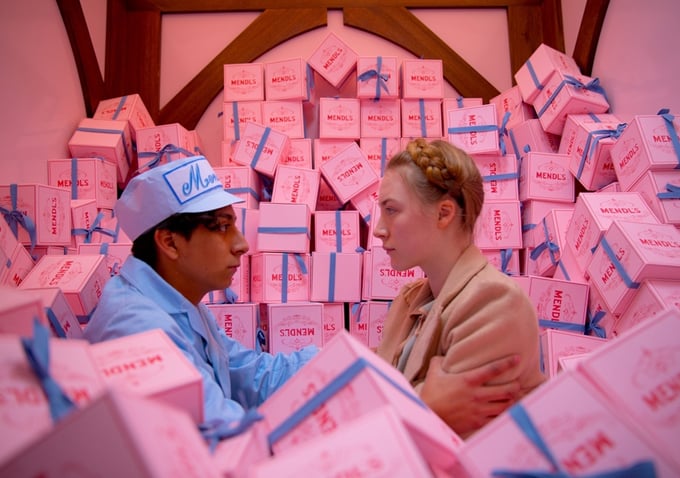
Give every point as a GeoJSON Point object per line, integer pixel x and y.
{"type": "Point", "coordinates": [446, 212]}
{"type": "Point", "coordinates": [165, 242]}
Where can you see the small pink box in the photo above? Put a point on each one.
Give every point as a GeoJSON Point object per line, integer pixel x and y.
{"type": "Point", "coordinates": [333, 59]}
{"type": "Point", "coordinates": [284, 227]}
{"type": "Point", "coordinates": [333, 320]}
{"type": "Point", "coordinates": [16, 265]}
{"type": "Point", "coordinates": [128, 107]}
{"type": "Point", "coordinates": [153, 366]}
{"type": "Point", "coordinates": [261, 148]}
{"type": "Point", "coordinates": [349, 172]}
{"type": "Point", "coordinates": [81, 278]}
{"type": "Point", "coordinates": [108, 139]}
{"type": "Point", "coordinates": [587, 140]}
{"type": "Point", "coordinates": [163, 143]}
{"type": "Point", "coordinates": [644, 145]}
{"type": "Point", "coordinates": [279, 277]}
{"type": "Point", "coordinates": [630, 252]}
{"type": "Point", "coordinates": [115, 253]}
{"type": "Point", "coordinates": [379, 151]}
{"type": "Point", "coordinates": [377, 77]}
{"type": "Point", "coordinates": [559, 304]}
{"type": "Point", "coordinates": [299, 154]}
{"type": "Point", "coordinates": [422, 78]}
{"type": "Point", "coordinates": [473, 129]}
{"type": "Point", "coordinates": [510, 101]}
{"type": "Point", "coordinates": [561, 98]}
{"type": "Point", "coordinates": [380, 119]}
{"type": "Point", "coordinates": [653, 297]}
{"type": "Point", "coordinates": [285, 116]}
{"type": "Point", "coordinates": [556, 344]}
{"type": "Point", "coordinates": [505, 260]}
{"type": "Point", "coordinates": [330, 274]}
{"type": "Point", "coordinates": [367, 321]}
{"type": "Point", "coordinates": [546, 177]}
{"type": "Point", "coordinates": [248, 222]}
{"type": "Point", "coordinates": [659, 190]}
{"type": "Point", "coordinates": [594, 212]}
{"type": "Point", "coordinates": [244, 82]}
{"type": "Point", "coordinates": [637, 373]}
{"type": "Point", "coordinates": [529, 136]}
{"type": "Point", "coordinates": [239, 321]}
{"type": "Point", "coordinates": [533, 75]}
{"type": "Point", "coordinates": [236, 114]}
{"type": "Point", "coordinates": [296, 186]}
{"type": "Point", "coordinates": [47, 206]}
{"type": "Point", "coordinates": [339, 118]}
{"type": "Point", "coordinates": [549, 242]}
{"type": "Point", "coordinates": [499, 226]}
{"type": "Point", "coordinates": [18, 310]}
{"type": "Point", "coordinates": [241, 181]}
{"type": "Point", "coordinates": [326, 149]}
{"type": "Point", "coordinates": [63, 321]}
{"type": "Point", "coordinates": [118, 434]}
{"type": "Point", "coordinates": [365, 200]}
{"type": "Point", "coordinates": [336, 231]}
{"type": "Point", "coordinates": [85, 178]}
{"type": "Point", "coordinates": [380, 280]}
{"type": "Point", "coordinates": [294, 326]}
{"type": "Point", "coordinates": [286, 80]}
{"type": "Point", "coordinates": [500, 176]}
{"type": "Point", "coordinates": [421, 118]}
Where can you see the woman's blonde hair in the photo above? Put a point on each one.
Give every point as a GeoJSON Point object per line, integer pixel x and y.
{"type": "Point", "coordinates": [442, 169]}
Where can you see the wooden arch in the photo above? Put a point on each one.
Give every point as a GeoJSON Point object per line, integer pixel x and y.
{"type": "Point", "coordinates": [133, 42]}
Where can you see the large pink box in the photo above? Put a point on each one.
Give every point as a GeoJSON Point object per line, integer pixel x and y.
{"type": "Point", "coordinates": [286, 80]}
{"type": "Point", "coordinates": [379, 151]}
{"type": "Point", "coordinates": [546, 177]}
{"type": "Point", "coordinates": [85, 178]}
{"type": "Point", "coordinates": [652, 298]}
{"type": "Point", "coordinates": [529, 136]}
{"type": "Point", "coordinates": [510, 101]}
{"type": "Point", "coordinates": [18, 310]}
{"type": "Point", "coordinates": [630, 252]}
{"type": "Point", "coordinates": [331, 273]}
{"type": "Point", "coordinates": [296, 185]}
{"type": "Point", "coordinates": [375, 444]}
{"type": "Point", "coordinates": [24, 410]}
{"type": "Point", "coordinates": [380, 280]}
{"type": "Point", "coordinates": [127, 107]}
{"type": "Point", "coordinates": [422, 78]}
{"type": "Point", "coordinates": [500, 176]}
{"type": "Point", "coordinates": [559, 304]}
{"type": "Point", "coordinates": [241, 181]}
{"type": "Point", "coordinates": [299, 154]}
{"type": "Point", "coordinates": [587, 140]}
{"type": "Point", "coordinates": [284, 227]}
{"type": "Point", "coordinates": [533, 75]}
{"type": "Point", "coordinates": [118, 434]}
{"type": "Point", "coordinates": [361, 381]}
{"type": "Point", "coordinates": [294, 326]}
{"type": "Point", "coordinates": [339, 118]}
{"type": "Point", "coordinates": [261, 148]}
{"type": "Point", "coordinates": [115, 253]}
{"type": "Point", "coordinates": [279, 277]}
{"type": "Point", "coordinates": [244, 81]}
{"type": "Point", "coordinates": [285, 116]}
{"type": "Point", "coordinates": [48, 207]}
{"type": "Point", "coordinates": [421, 118]}
{"type": "Point", "coordinates": [333, 59]}
{"type": "Point", "coordinates": [336, 231]}
{"type": "Point", "coordinates": [81, 278]}
{"type": "Point", "coordinates": [646, 144]}
{"type": "Point", "coordinates": [473, 129]}
{"type": "Point", "coordinates": [236, 114]}
{"type": "Point", "coordinates": [239, 321]}
{"type": "Point", "coordinates": [556, 344]}
{"type": "Point", "coordinates": [594, 212]}
{"type": "Point", "coordinates": [151, 365]}
{"type": "Point", "coordinates": [163, 143]}
{"type": "Point", "coordinates": [660, 189]}
{"type": "Point", "coordinates": [499, 225]}
{"type": "Point", "coordinates": [63, 322]}
{"type": "Point", "coordinates": [377, 77]}
{"type": "Point", "coordinates": [380, 119]}
{"type": "Point", "coordinates": [348, 173]}
{"type": "Point", "coordinates": [638, 374]}
{"type": "Point", "coordinates": [587, 439]}
{"type": "Point", "coordinates": [333, 320]}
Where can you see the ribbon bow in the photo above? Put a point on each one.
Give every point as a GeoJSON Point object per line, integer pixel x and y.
{"type": "Point", "coordinates": [672, 192]}
{"type": "Point", "coordinates": [546, 244]}
{"type": "Point", "coordinates": [503, 132]}
{"type": "Point", "coordinates": [87, 232]}
{"type": "Point", "coordinates": [668, 119]}
{"type": "Point", "coordinates": [590, 145]}
{"type": "Point", "coordinates": [593, 85]}
{"type": "Point", "coordinates": [158, 156]}
{"type": "Point", "coordinates": [380, 79]}
{"type": "Point", "coordinates": [593, 326]}
{"type": "Point", "coordinates": [16, 218]}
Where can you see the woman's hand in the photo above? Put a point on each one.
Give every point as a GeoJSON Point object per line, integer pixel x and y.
{"type": "Point", "coordinates": [465, 400]}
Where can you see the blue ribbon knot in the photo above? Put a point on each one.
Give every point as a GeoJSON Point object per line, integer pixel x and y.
{"type": "Point", "coordinates": [380, 78]}
{"type": "Point", "coordinates": [158, 156]}
{"type": "Point", "coordinates": [16, 218]}
{"type": "Point", "coordinates": [593, 85]}
{"type": "Point", "coordinates": [594, 137]}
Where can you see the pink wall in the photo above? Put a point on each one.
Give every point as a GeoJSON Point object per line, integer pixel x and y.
{"type": "Point", "coordinates": [41, 97]}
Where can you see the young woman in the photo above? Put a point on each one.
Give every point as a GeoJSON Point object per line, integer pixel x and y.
{"type": "Point", "coordinates": [465, 313]}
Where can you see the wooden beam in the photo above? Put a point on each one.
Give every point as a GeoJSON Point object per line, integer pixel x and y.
{"type": "Point", "coordinates": [415, 37]}
{"type": "Point", "coordinates": [268, 30]}
{"type": "Point", "coordinates": [589, 34]}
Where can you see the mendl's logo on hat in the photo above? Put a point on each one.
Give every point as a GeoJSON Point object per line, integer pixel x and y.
{"type": "Point", "coordinates": [191, 180]}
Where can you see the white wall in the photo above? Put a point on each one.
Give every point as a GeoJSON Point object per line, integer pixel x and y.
{"type": "Point", "coordinates": [637, 62]}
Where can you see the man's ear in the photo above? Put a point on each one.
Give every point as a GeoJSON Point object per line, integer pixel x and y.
{"type": "Point", "coordinates": [165, 242]}
{"type": "Point", "coordinates": [446, 212]}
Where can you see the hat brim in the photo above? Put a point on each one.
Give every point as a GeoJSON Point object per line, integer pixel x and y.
{"type": "Point", "coordinates": [216, 199]}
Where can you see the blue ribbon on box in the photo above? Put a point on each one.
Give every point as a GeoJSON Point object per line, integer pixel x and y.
{"type": "Point", "coordinates": [37, 350]}
{"type": "Point", "coordinates": [380, 79]}
{"type": "Point", "coordinates": [357, 308]}
{"type": "Point", "coordinates": [74, 178]}
{"type": "Point", "coordinates": [556, 324]}
{"type": "Point", "coordinates": [593, 85]}
{"type": "Point", "coordinates": [472, 129]}
{"type": "Point", "coordinates": [331, 277]}
{"type": "Point", "coordinates": [546, 244]}
{"type": "Point", "coordinates": [246, 190]}
{"type": "Point", "coordinates": [506, 255]}
{"type": "Point", "coordinates": [283, 230]}
{"type": "Point", "coordinates": [215, 430]}
{"type": "Point", "coordinates": [499, 177]}
{"type": "Point", "coordinates": [617, 264]}
{"type": "Point", "coordinates": [642, 469]}
{"type": "Point", "coordinates": [383, 156]}
{"type": "Point", "coordinates": [593, 326]}
{"type": "Point", "coordinates": [338, 231]}
{"type": "Point", "coordinates": [167, 149]}
{"type": "Point", "coordinates": [590, 145]}
{"type": "Point", "coordinates": [560, 264]}
{"type": "Point", "coordinates": [672, 192]}
{"type": "Point", "coordinates": [54, 322]}
{"type": "Point", "coordinates": [83, 231]}
{"type": "Point", "coordinates": [109, 131]}
{"type": "Point", "coordinates": [328, 391]}
{"type": "Point", "coordinates": [119, 108]}
{"type": "Point", "coordinates": [284, 273]}
{"type": "Point", "coordinates": [261, 342]}
{"type": "Point", "coordinates": [459, 102]}
{"type": "Point", "coordinates": [234, 115]}
{"type": "Point", "coordinates": [668, 119]}
{"type": "Point", "coordinates": [260, 147]}
{"type": "Point", "coordinates": [16, 218]}
{"type": "Point", "coordinates": [533, 75]}
{"type": "Point", "coordinates": [423, 123]}
{"type": "Point", "coordinates": [503, 132]}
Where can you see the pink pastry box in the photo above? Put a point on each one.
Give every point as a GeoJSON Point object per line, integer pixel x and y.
{"type": "Point", "coordinates": [294, 326]}
{"type": "Point", "coordinates": [239, 321]}
{"type": "Point", "coordinates": [377, 77]}
{"type": "Point", "coordinates": [236, 114]}
{"type": "Point", "coordinates": [284, 227]}
{"type": "Point", "coordinates": [510, 101]}
{"type": "Point", "coordinates": [80, 277]}
{"type": "Point", "coordinates": [646, 144]}
{"type": "Point", "coordinates": [546, 177]}
{"type": "Point", "coordinates": [18, 310]}
{"type": "Point", "coordinates": [336, 276]}
{"type": "Point", "coordinates": [336, 231]}
{"type": "Point", "coordinates": [661, 192]}
{"type": "Point", "coordinates": [556, 344]}
{"type": "Point", "coordinates": [115, 253]}
{"type": "Point", "coordinates": [127, 107]}
{"type": "Point", "coordinates": [529, 136]}
{"type": "Point", "coordinates": [118, 434]}
{"type": "Point", "coordinates": [244, 82]}
{"type": "Point", "coordinates": [348, 173]}
{"type": "Point", "coordinates": [63, 322]}
{"type": "Point", "coordinates": [366, 321]}
{"type": "Point", "coordinates": [533, 212]}
{"type": "Point", "coordinates": [559, 304]}
{"type": "Point", "coordinates": [261, 148]}
{"type": "Point", "coordinates": [422, 78]}
{"type": "Point", "coordinates": [380, 280]}
{"type": "Point", "coordinates": [549, 242]}
{"type": "Point", "coordinates": [499, 225]}
{"type": "Point", "coordinates": [279, 277]}
{"type": "Point", "coordinates": [380, 119]}
{"type": "Point", "coordinates": [48, 207]}
{"type": "Point", "coordinates": [533, 75]}
{"type": "Point", "coordinates": [296, 185]}
{"type": "Point", "coordinates": [342, 383]}
{"type": "Point", "coordinates": [630, 252]}
{"type": "Point", "coordinates": [333, 320]}
{"type": "Point", "coordinates": [473, 129]}
{"type": "Point", "coordinates": [378, 151]}
{"type": "Point", "coordinates": [333, 59]}
{"type": "Point", "coordinates": [286, 79]}
{"type": "Point", "coordinates": [500, 176]}
{"type": "Point", "coordinates": [585, 440]}
{"type": "Point", "coordinates": [241, 181]}
{"type": "Point", "coordinates": [339, 118]}
{"type": "Point", "coordinates": [653, 297]}
{"type": "Point", "coordinates": [299, 154]}
{"type": "Point", "coordinates": [15, 265]}
{"type": "Point", "coordinates": [285, 116]}
{"type": "Point", "coordinates": [163, 143]}
{"type": "Point", "coordinates": [421, 118]}
{"type": "Point", "coordinates": [85, 178]}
